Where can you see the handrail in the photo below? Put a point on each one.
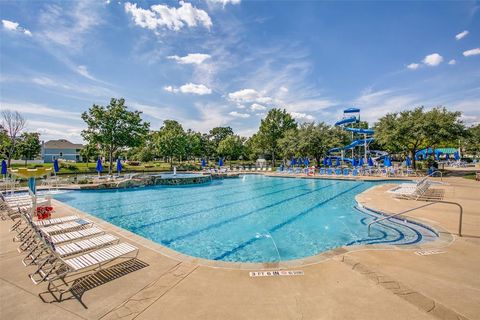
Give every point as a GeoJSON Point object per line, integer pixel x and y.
{"type": "Point", "coordinates": [441, 174]}
{"type": "Point", "coordinates": [423, 206]}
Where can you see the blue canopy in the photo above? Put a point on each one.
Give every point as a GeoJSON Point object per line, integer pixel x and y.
{"type": "Point", "coordinates": [408, 162]}
{"type": "Point", "coordinates": [220, 162]}
{"type": "Point", "coordinates": [119, 165]}
{"type": "Point", "coordinates": [457, 156]}
{"type": "Point", "coordinates": [370, 162]}
{"type": "Point", "coordinates": [204, 163]}
{"type": "Point", "coordinates": [55, 166]}
{"type": "Point", "coordinates": [99, 165]}
{"type": "Point", "coordinates": [351, 110]}
{"type": "Point", "coordinates": [307, 161]}
{"type": "Point", "coordinates": [4, 167]}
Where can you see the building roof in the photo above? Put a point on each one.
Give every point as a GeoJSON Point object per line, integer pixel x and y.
{"type": "Point", "coordinates": [62, 144]}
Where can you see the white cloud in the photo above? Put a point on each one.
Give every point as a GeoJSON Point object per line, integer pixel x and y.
{"type": "Point", "coordinates": [191, 58]}
{"type": "Point", "coordinates": [15, 26]}
{"type": "Point", "coordinates": [433, 59]}
{"type": "Point", "coordinates": [283, 89]}
{"type": "Point", "coordinates": [224, 2]}
{"type": "Point", "coordinates": [471, 52]}
{"type": "Point", "coordinates": [199, 89]}
{"type": "Point", "coordinates": [257, 107]}
{"type": "Point", "coordinates": [248, 95]}
{"type": "Point", "coordinates": [163, 16]}
{"type": "Point", "coordinates": [452, 62]}
{"type": "Point", "coordinates": [82, 70]}
{"type": "Point", "coordinates": [40, 110]}
{"type": "Point", "coordinates": [239, 115]}
{"type": "Point", "coordinates": [413, 66]}
{"type": "Point", "coordinates": [462, 35]}
{"type": "Point", "coordinates": [302, 116]}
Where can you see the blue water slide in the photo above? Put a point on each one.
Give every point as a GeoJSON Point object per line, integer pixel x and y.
{"type": "Point", "coordinates": [334, 150]}
{"type": "Point", "coordinates": [360, 142]}
{"type": "Point", "coordinates": [357, 130]}
{"type": "Point", "coordinates": [351, 110]}
{"type": "Point", "coordinates": [346, 120]}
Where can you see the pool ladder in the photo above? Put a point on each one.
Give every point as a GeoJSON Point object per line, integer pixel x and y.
{"type": "Point", "coordinates": [423, 206]}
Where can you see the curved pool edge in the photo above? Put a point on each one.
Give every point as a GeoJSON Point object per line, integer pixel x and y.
{"type": "Point", "coordinates": [444, 239]}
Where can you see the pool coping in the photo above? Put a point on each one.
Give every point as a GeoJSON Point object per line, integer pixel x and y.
{"type": "Point", "coordinates": [445, 238]}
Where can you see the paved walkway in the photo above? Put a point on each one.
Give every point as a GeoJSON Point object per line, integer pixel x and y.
{"type": "Point", "coordinates": [350, 283]}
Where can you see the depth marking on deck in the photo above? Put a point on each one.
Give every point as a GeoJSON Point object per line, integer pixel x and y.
{"type": "Point", "coordinates": [428, 252]}
{"type": "Point", "coordinates": [276, 273]}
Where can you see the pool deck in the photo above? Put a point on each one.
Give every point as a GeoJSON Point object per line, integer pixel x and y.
{"type": "Point", "coordinates": [348, 283]}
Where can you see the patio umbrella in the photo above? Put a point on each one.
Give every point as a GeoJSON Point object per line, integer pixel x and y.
{"type": "Point", "coordinates": [119, 165]}
{"type": "Point", "coordinates": [56, 168]}
{"type": "Point", "coordinates": [370, 162]}
{"type": "Point", "coordinates": [387, 162]}
{"type": "Point", "coordinates": [307, 162]}
{"type": "Point", "coordinates": [354, 162]}
{"type": "Point", "coordinates": [325, 162]}
{"type": "Point", "coordinates": [32, 185]}
{"type": "Point", "coordinates": [204, 163]}
{"type": "Point", "coordinates": [300, 161]}
{"type": "Point", "coordinates": [456, 156]}
{"type": "Point", "coordinates": [4, 168]}
{"type": "Point", "coordinates": [447, 157]}
{"type": "Point", "coordinates": [361, 162]}
{"type": "Point", "coordinates": [337, 162]}
{"type": "Point", "coordinates": [408, 162]}
{"type": "Point", "coordinates": [220, 162]}
{"type": "Point", "coordinates": [329, 162]}
{"type": "Point", "coordinates": [99, 166]}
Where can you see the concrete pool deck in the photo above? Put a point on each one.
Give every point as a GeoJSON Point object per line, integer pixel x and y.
{"type": "Point", "coordinates": [363, 282]}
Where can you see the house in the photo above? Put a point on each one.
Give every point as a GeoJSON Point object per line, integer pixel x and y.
{"type": "Point", "coordinates": [61, 149]}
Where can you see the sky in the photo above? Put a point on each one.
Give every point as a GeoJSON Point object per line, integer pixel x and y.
{"type": "Point", "coordinates": [210, 63]}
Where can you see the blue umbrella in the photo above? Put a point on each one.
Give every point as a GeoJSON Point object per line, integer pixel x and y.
{"type": "Point", "coordinates": [361, 162]}
{"type": "Point", "coordinates": [329, 162]}
{"type": "Point", "coordinates": [99, 166]}
{"type": "Point", "coordinates": [220, 162]}
{"type": "Point", "coordinates": [56, 168]}
{"type": "Point", "coordinates": [300, 161]}
{"type": "Point", "coordinates": [307, 162]}
{"type": "Point", "coordinates": [354, 162]}
{"type": "Point", "coordinates": [456, 156]}
{"type": "Point", "coordinates": [408, 162]}
{"type": "Point", "coordinates": [447, 156]}
{"type": "Point", "coordinates": [293, 162]}
{"type": "Point", "coordinates": [325, 161]}
{"type": "Point", "coordinates": [31, 185]}
{"type": "Point", "coordinates": [204, 163]}
{"type": "Point", "coordinates": [4, 167]}
{"type": "Point", "coordinates": [337, 162]}
{"type": "Point", "coordinates": [119, 165]}
{"type": "Point", "coordinates": [370, 162]}
{"type": "Point", "coordinates": [387, 162]}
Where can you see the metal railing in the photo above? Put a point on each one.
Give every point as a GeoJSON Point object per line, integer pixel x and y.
{"type": "Point", "coordinates": [423, 206]}
{"type": "Point", "coordinates": [441, 174]}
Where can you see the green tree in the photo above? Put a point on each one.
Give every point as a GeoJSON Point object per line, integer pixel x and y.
{"type": "Point", "coordinates": [114, 127]}
{"type": "Point", "coordinates": [471, 142]}
{"type": "Point", "coordinates": [4, 142]}
{"type": "Point", "coordinates": [28, 146]}
{"type": "Point", "coordinates": [88, 152]}
{"type": "Point", "coordinates": [442, 127]}
{"type": "Point", "coordinates": [231, 147]}
{"type": "Point", "coordinates": [251, 148]}
{"type": "Point", "coordinates": [193, 147]}
{"type": "Point", "coordinates": [216, 135]}
{"type": "Point", "coordinates": [272, 129]}
{"type": "Point", "coordinates": [12, 123]}
{"type": "Point", "coordinates": [171, 140]}
{"type": "Point", "coordinates": [402, 132]}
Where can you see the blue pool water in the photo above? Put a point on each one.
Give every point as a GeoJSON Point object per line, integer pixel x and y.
{"type": "Point", "coordinates": [251, 219]}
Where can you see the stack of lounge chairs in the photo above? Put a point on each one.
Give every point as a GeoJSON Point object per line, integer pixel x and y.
{"type": "Point", "coordinates": [415, 191]}
{"type": "Point", "coordinates": [62, 247]}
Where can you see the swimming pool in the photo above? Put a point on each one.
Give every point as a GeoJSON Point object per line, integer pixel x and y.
{"type": "Point", "coordinates": [250, 219]}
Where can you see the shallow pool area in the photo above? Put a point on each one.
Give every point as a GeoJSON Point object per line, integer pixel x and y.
{"type": "Point", "coordinates": [251, 219]}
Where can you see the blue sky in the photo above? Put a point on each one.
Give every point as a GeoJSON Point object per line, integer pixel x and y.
{"type": "Point", "coordinates": [226, 62]}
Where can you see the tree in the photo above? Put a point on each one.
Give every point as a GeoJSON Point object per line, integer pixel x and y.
{"type": "Point", "coordinates": [231, 147]}
{"type": "Point", "coordinates": [114, 127]}
{"type": "Point", "coordinates": [88, 152]}
{"type": "Point", "coordinates": [4, 142]}
{"type": "Point", "coordinates": [216, 135]}
{"type": "Point", "coordinates": [170, 140]}
{"type": "Point", "coordinates": [28, 146]}
{"type": "Point", "coordinates": [472, 140]}
{"type": "Point", "coordinates": [402, 132]}
{"type": "Point", "coordinates": [272, 129]}
{"type": "Point", "coordinates": [13, 123]}
{"type": "Point", "coordinates": [193, 147]}
{"type": "Point", "coordinates": [442, 127]}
